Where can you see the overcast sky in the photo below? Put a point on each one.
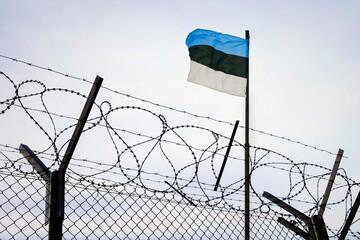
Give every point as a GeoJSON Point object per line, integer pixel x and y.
{"type": "Point", "coordinates": [304, 61]}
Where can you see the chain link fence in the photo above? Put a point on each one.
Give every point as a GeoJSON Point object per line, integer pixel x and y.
{"type": "Point", "coordinates": [120, 212]}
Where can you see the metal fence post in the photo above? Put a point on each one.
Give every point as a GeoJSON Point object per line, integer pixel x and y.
{"type": "Point", "coordinates": [226, 155]}
{"type": "Point", "coordinates": [315, 224]}
{"type": "Point", "coordinates": [330, 183]}
{"type": "Point", "coordinates": [319, 227]}
{"type": "Point", "coordinates": [350, 218]}
{"type": "Point", "coordinates": [57, 205]}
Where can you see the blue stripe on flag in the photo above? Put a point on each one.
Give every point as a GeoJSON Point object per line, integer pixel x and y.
{"type": "Point", "coordinates": [223, 42]}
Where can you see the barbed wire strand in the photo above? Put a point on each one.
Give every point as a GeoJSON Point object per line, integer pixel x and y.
{"type": "Point", "coordinates": [167, 107]}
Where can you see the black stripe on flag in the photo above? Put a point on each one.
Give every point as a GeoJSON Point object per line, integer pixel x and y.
{"type": "Point", "coordinates": [219, 61]}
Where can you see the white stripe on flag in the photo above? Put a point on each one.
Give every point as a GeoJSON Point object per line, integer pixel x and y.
{"type": "Point", "coordinates": [217, 80]}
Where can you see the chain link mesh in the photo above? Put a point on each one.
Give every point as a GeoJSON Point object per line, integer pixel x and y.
{"type": "Point", "coordinates": [121, 212]}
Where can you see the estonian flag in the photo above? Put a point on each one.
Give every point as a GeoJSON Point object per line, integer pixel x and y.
{"type": "Point", "coordinates": [218, 61]}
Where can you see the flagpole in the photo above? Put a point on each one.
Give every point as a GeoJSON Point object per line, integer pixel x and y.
{"type": "Point", "coordinates": [247, 153]}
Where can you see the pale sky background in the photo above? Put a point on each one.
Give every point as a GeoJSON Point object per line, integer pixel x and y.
{"type": "Point", "coordinates": [304, 62]}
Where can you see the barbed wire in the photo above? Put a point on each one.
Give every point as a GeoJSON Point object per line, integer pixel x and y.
{"type": "Point", "coordinates": [191, 176]}
{"type": "Point", "coordinates": [83, 163]}
{"type": "Point", "coordinates": [159, 140]}
{"type": "Point", "coordinates": [101, 191]}
{"type": "Point", "coordinates": [167, 107]}
{"type": "Point", "coordinates": [100, 181]}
